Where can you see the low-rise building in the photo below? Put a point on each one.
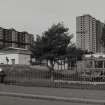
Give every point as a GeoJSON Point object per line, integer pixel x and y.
{"type": "Point", "coordinates": [15, 56]}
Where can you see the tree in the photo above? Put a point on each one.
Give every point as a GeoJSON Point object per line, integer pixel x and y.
{"type": "Point", "coordinates": [52, 43]}
{"type": "Point", "coordinates": [103, 37]}
{"type": "Point", "coordinates": [74, 54]}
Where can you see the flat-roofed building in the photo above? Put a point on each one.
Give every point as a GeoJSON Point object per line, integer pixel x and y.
{"type": "Point", "coordinates": [15, 56]}
{"type": "Point", "coordinates": [13, 38]}
{"type": "Point", "coordinates": [88, 33]}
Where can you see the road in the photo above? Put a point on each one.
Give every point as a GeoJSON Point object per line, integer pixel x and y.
{"type": "Point", "coordinates": [5, 100]}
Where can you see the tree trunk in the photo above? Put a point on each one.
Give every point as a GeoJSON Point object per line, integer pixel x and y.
{"type": "Point", "coordinates": [52, 70]}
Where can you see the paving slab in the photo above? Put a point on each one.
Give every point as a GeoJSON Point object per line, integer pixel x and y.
{"type": "Point", "coordinates": [59, 92]}
{"type": "Point", "coordinates": [25, 101]}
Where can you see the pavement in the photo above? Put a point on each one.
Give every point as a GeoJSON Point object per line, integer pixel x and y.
{"type": "Point", "coordinates": [57, 94]}
{"type": "Point", "coordinates": [6, 100]}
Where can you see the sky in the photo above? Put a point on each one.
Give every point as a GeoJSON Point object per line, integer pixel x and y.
{"type": "Point", "coordinates": [36, 16]}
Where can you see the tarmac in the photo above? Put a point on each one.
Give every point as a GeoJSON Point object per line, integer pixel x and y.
{"type": "Point", "coordinates": [57, 94]}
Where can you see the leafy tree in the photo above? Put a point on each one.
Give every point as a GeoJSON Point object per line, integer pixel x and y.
{"type": "Point", "coordinates": [73, 55]}
{"type": "Point", "coordinates": [103, 37]}
{"type": "Point", "coordinates": [52, 43]}
{"type": "Point", "coordinates": [75, 52]}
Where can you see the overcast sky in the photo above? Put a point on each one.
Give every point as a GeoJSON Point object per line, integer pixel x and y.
{"type": "Point", "coordinates": [35, 16]}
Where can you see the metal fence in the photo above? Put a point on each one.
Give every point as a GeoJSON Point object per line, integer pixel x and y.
{"type": "Point", "coordinates": [89, 78]}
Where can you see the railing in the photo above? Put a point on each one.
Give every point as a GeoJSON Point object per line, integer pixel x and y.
{"type": "Point", "coordinates": [60, 79]}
